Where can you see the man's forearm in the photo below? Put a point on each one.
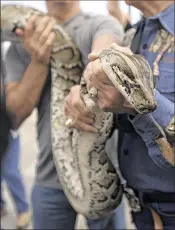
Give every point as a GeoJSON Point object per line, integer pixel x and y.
{"type": "Point", "coordinates": [24, 96]}
{"type": "Point", "coordinates": [122, 17]}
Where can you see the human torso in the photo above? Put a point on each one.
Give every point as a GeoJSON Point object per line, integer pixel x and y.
{"type": "Point", "coordinates": [138, 163]}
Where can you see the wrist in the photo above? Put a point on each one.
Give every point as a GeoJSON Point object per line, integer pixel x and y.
{"type": "Point", "coordinates": [39, 64]}
{"type": "Point", "coordinates": [121, 17]}
{"type": "Point", "coordinates": [116, 13]}
{"type": "Point", "coordinates": [37, 68]}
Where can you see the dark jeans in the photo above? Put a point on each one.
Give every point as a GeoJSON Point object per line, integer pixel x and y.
{"type": "Point", "coordinates": [51, 210]}
{"type": "Point", "coordinates": [166, 211]}
{"type": "Point", "coordinates": [10, 173]}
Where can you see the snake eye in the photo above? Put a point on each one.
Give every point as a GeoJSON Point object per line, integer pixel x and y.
{"type": "Point", "coordinates": [15, 26]}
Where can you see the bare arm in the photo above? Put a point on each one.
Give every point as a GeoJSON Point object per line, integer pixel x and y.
{"type": "Point", "coordinates": [23, 96]}
{"type": "Point", "coordinates": [114, 10]}
{"type": "Point", "coordinates": [103, 41]}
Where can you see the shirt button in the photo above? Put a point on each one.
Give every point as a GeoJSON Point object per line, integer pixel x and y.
{"type": "Point", "coordinates": [126, 152]}
{"type": "Point", "coordinates": [145, 46]}
{"type": "Point", "coordinates": [140, 130]}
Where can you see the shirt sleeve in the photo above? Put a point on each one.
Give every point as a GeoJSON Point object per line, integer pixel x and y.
{"type": "Point", "coordinates": [146, 127]}
{"type": "Point", "coordinates": [16, 61]}
{"type": "Point", "coordinates": [107, 25]}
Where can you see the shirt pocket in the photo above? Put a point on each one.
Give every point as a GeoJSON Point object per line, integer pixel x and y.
{"type": "Point", "coordinates": [165, 83]}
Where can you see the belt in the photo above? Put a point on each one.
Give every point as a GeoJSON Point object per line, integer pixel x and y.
{"type": "Point", "coordinates": [159, 197]}
{"type": "Point", "coordinates": [155, 197]}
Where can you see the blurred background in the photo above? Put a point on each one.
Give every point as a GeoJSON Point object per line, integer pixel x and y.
{"type": "Point", "coordinates": [28, 129]}
{"type": "Point", "coordinates": [97, 7]}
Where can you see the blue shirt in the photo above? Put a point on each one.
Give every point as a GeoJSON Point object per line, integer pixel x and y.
{"type": "Point", "coordinates": [142, 164]}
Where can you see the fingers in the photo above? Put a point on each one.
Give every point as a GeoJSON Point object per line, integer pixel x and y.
{"type": "Point", "coordinates": [88, 74]}
{"type": "Point", "coordinates": [40, 28]}
{"type": "Point", "coordinates": [114, 46]}
{"type": "Point", "coordinates": [93, 56]}
{"type": "Point", "coordinates": [79, 121]}
{"type": "Point", "coordinates": [78, 103]}
{"type": "Point", "coordinates": [70, 111]}
{"type": "Point", "coordinates": [29, 28]}
{"type": "Point", "coordinates": [83, 126]}
{"type": "Point", "coordinates": [94, 75]}
{"type": "Point", "coordinates": [76, 110]}
{"type": "Point", "coordinates": [46, 32]}
{"type": "Point", "coordinates": [46, 48]}
{"type": "Point", "coordinates": [99, 76]}
{"type": "Point", "coordinates": [122, 49]}
{"type": "Point", "coordinates": [39, 37]}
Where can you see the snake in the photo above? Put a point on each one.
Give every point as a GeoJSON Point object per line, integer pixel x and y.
{"type": "Point", "coordinates": [88, 177]}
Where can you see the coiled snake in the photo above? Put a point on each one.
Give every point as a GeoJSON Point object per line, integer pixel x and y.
{"type": "Point", "coordinates": [89, 179]}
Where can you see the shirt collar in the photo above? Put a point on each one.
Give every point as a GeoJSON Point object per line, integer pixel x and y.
{"type": "Point", "coordinates": [73, 18]}
{"type": "Point", "coordinates": [166, 18]}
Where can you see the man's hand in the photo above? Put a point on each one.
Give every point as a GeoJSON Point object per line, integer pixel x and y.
{"type": "Point", "coordinates": [109, 98]}
{"type": "Point", "coordinates": [113, 6]}
{"type": "Point", "coordinates": [114, 10]}
{"type": "Point", "coordinates": [38, 39]}
{"type": "Point", "coordinates": [76, 110]}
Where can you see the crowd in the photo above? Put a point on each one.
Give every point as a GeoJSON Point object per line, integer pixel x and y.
{"type": "Point", "coordinates": [143, 166]}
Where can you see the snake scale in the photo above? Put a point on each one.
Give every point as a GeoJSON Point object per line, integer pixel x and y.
{"type": "Point", "coordinates": [89, 179]}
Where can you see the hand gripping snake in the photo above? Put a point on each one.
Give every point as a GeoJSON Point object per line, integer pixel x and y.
{"type": "Point", "coordinates": [88, 178]}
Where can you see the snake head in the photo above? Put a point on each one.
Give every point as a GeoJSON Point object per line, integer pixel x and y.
{"type": "Point", "coordinates": [13, 17]}
{"type": "Point", "coordinates": [132, 76]}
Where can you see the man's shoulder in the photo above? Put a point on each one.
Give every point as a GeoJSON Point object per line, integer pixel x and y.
{"type": "Point", "coordinates": [98, 18]}
{"type": "Point", "coordinates": [91, 24]}
{"type": "Point", "coordinates": [88, 19]}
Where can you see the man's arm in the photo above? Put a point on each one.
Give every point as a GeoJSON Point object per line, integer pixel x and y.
{"type": "Point", "coordinates": [24, 86]}
{"type": "Point", "coordinates": [146, 127]}
{"type": "Point", "coordinates": [115, 10]}
{"type": "Point", "coordinates": [103, 42]}
{"type": "Point", "coordinates": [105, 32]}
{"type": "Point", "coordinates": [23, 96]}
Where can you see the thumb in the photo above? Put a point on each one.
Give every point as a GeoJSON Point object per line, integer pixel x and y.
{"type": "Point", "coordinates": [121, 49]}
{"type": "Point", "coordinates": [114, 46]}
{"type": "Point", "coordinates": [93, 56]}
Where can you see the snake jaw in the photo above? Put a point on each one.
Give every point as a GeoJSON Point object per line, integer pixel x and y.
{"type": "Point", "coordinates": [132, 76]}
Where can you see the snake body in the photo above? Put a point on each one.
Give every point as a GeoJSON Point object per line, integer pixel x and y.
{"type": "Point", "coordinates": [89, 179]}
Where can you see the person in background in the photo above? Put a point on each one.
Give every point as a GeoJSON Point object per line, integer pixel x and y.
{"type": "Point", "coordinates": [115, 11]}
{"type": "Point", "coordinates": [146, 166]}
{"type": "Point", "coordinates": [28, 70]}
{"type": "Point", "coordinates": [10, 154]}
{"type": "Point", "coordinates": [5, 121]}
{"type": "Point", "coordinates": [10, 174]}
